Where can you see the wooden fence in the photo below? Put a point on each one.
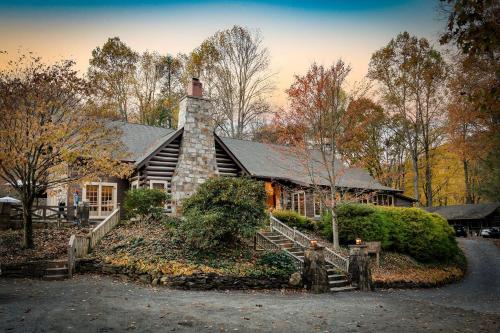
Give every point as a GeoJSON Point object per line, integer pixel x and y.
{"type": "Point", "coordinates": [56, 214]}
{"type": "Point", "coordinates": [79, 246]}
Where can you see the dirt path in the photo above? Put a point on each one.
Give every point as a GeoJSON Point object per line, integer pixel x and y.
{"type": "Point", "coordinates": [101, 304]}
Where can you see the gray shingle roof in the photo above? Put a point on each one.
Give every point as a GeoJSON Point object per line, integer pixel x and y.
{"type": "Point", "coordinates": [465, 212]}
{"type": "Point", "coordinates": [280, 162]}
{"type": "Point", "coordinates": [261, 160]}
{"type": "Point", "coordinates": [140, 140]}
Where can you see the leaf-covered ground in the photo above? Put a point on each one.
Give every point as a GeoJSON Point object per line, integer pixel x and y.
{"type": "Point", "coordinates": [50, 243]}
{"type": "Point", "coordinates": [397, 270]}
{"type": "Point", "coordinates": [154, 247]}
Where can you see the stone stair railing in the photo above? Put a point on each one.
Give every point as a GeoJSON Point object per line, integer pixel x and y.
{"type": "Point", "coordinates": [299, 238]}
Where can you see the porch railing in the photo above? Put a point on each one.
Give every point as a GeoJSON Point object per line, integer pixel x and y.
{"type": "Point", "coordinates": [102, 228]}
{"type": "Point", "coordinates": [304, 241]}
{"type": "Point", "coordinates": [79, 246]}
{"type": "Point", "coordinates": [267, 244]}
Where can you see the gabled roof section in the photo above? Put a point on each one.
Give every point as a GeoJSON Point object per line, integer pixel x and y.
{"type": "Point", "coordinates": [156, 146]}
{"type": "Point", "coordinates": [139, 139]}
{"type": "Point", "coordinates": [465, 212]}
{"type": "Point", "coordinates": [283, 163]}
{"type": "Point", "coordinates": [230, 154]}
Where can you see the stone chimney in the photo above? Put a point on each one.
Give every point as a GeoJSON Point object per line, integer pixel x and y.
{"type": "Point", "coordinates": [196, 161]}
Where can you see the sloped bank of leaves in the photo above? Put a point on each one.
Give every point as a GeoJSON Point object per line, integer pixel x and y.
{"type": "Point", "coordinates": [50, 243]}
{"type": "Point", "coordinates": [402, 271]}
{"type": "Point", "coordinates": [154, 248]}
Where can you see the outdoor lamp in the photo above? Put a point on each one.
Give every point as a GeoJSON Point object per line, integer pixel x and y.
{"type": "Point", "coordinates": [358, 241]}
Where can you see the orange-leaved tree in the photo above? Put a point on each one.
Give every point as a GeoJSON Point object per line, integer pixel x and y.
{"type": "Point", "coordinates": [50, 134]}
{"type": "Point", "coordinates": [315, 127]}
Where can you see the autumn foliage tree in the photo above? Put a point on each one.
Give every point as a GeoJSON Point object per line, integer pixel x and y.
{"type": "Point", "coordinates": [314, 125]}
{"type": "Point", "coordinates": [49, 134]}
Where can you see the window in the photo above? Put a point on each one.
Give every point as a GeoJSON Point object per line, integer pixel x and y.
{"type": "Point", "coordinates": [161, 185]}
{"type": "Point", "coordinates": [383, 199]}
{"type": "Point", "coordinates": [317, 205]}
{"type": "Point", "coordinates": [299, 202]}
{"type": "Point", "coordinates": [134, 185]}
{"type": "Point", "coordinates": [101, 198]}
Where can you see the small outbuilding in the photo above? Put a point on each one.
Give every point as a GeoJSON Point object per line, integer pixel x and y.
{"type": "Point", "coordinates": [472, 216]}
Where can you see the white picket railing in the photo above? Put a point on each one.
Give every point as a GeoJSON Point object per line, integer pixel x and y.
{"type": "Point", "coordinates": [102, 228]}
{"type": "Point", "coordinates": [79, 246]}
{"type": "Point", "coordinates": [297, 237]}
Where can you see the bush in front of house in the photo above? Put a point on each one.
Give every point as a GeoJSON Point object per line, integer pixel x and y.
{"type": "Point", "coordinates": [294, 219]}
{"type": "Point", "coordinates": [145, 204]}
{"type": "Point", "coordinates": [357, 220]}
{"type": "Point", "coordinates": [425, 236]}
{"type": "Point", "coordinates": [222, 211]}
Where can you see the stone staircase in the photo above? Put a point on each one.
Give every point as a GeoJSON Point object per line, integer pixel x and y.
{"type": "Point", "coordinates": [337, 280]}
{"type": "Point", "coordinates": [56, 270]}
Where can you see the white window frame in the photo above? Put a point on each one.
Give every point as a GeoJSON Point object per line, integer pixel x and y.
{"type": "Point", "coordinates": [304, 213]}
{"type": "Point", "coordinates": [165, 187]}
{"type": "Point", "coordinates": [134, 183]}
{"type": "Point", "coordinates": [99, 196]}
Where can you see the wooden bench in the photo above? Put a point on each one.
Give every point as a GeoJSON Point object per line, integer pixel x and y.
{"type": "Point", "coordinates": [374, 248]}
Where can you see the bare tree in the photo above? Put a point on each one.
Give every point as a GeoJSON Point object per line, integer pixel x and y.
{"type": "Point", "coordinates": [234, 67]}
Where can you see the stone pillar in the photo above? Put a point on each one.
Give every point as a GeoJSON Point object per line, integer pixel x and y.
{"type": "Point", "coordinates": [315, 276]}
{"type": "Point", "coordinates": [197, 161]}
{"type": "Point", "coordinates": [359, 267]}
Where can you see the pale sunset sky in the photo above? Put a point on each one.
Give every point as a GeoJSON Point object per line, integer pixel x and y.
{"type": "Point", "coordinates": [295, 32]}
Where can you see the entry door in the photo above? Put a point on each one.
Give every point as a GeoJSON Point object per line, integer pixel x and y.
{"type": "Point", "coordinates": [101, 198]}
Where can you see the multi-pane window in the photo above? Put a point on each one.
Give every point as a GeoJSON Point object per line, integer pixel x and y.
{"type": "Point", "coordinates": [382, 199]}
{"type": "Point", "coordinates": [161, 185]}
{"type": "Point", "coordinates": [317, 205]}
{"type": "Point", "coordinates": [107, 204]}
{"type": "Point", "coordinates": [299, 202]}
{"type": "Point", "coordinates": [92, 193]}
{"type": "Point", "coordinates": [101, 198]}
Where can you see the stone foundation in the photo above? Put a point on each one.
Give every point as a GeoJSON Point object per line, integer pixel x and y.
{"type": "Point", "coordinates": [198, 281]}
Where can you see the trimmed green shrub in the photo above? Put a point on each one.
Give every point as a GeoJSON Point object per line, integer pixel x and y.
{"type": "Point", "coordinates": [425, 236]}
{"type": "Point", "coordinates": [359, 221]}
{"type": "Point", "coordinates": [223, 210]}
{"type": "Point", "coordinates": [144, 203]}
{"type": "Point", "coordinates": [294, 219]}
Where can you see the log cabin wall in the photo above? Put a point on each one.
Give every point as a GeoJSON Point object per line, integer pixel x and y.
{"type": "Point", "coordinates": [225, 164]}
{"type": "Point", "coordinates": [160, 167]}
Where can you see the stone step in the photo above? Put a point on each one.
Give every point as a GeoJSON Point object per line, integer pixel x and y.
{"type": "Point", "coordinates": [338, 283]}
{"type": "Point", "coordinates": [56, 270]}
{"type": "Point", "coordinates": [336, 277]}
{"type": "Point", "coordinates": [57, 277]}
{"type": "Point", "coordinates": [57, 263]}
{"type": "Point", "coordinates": [339, 289]}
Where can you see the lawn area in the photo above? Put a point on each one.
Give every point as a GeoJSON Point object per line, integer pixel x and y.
{"type": "Point", "coordinates": [50, 243]}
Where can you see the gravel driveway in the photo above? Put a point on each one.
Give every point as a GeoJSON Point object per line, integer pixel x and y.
{"type": "Point", "coordinates": [101, 304]}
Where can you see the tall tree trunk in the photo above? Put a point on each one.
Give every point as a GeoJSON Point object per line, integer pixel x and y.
{"type": "Point", "coordinates": [428, 178]}
{"type": "Point", "coordinates": [468, 186]}
{"type": "Point", "coordinates": [416, 179]}
{"type": "Point", "coordinates": [335, 231]}
{"type": "Point", "coordinates": [28, 224]}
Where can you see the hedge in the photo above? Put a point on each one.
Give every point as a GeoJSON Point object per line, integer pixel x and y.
{"type": "Point", "coordinates": [425, 236]}
{"type": "Point", "coordinates": [294, 219]}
